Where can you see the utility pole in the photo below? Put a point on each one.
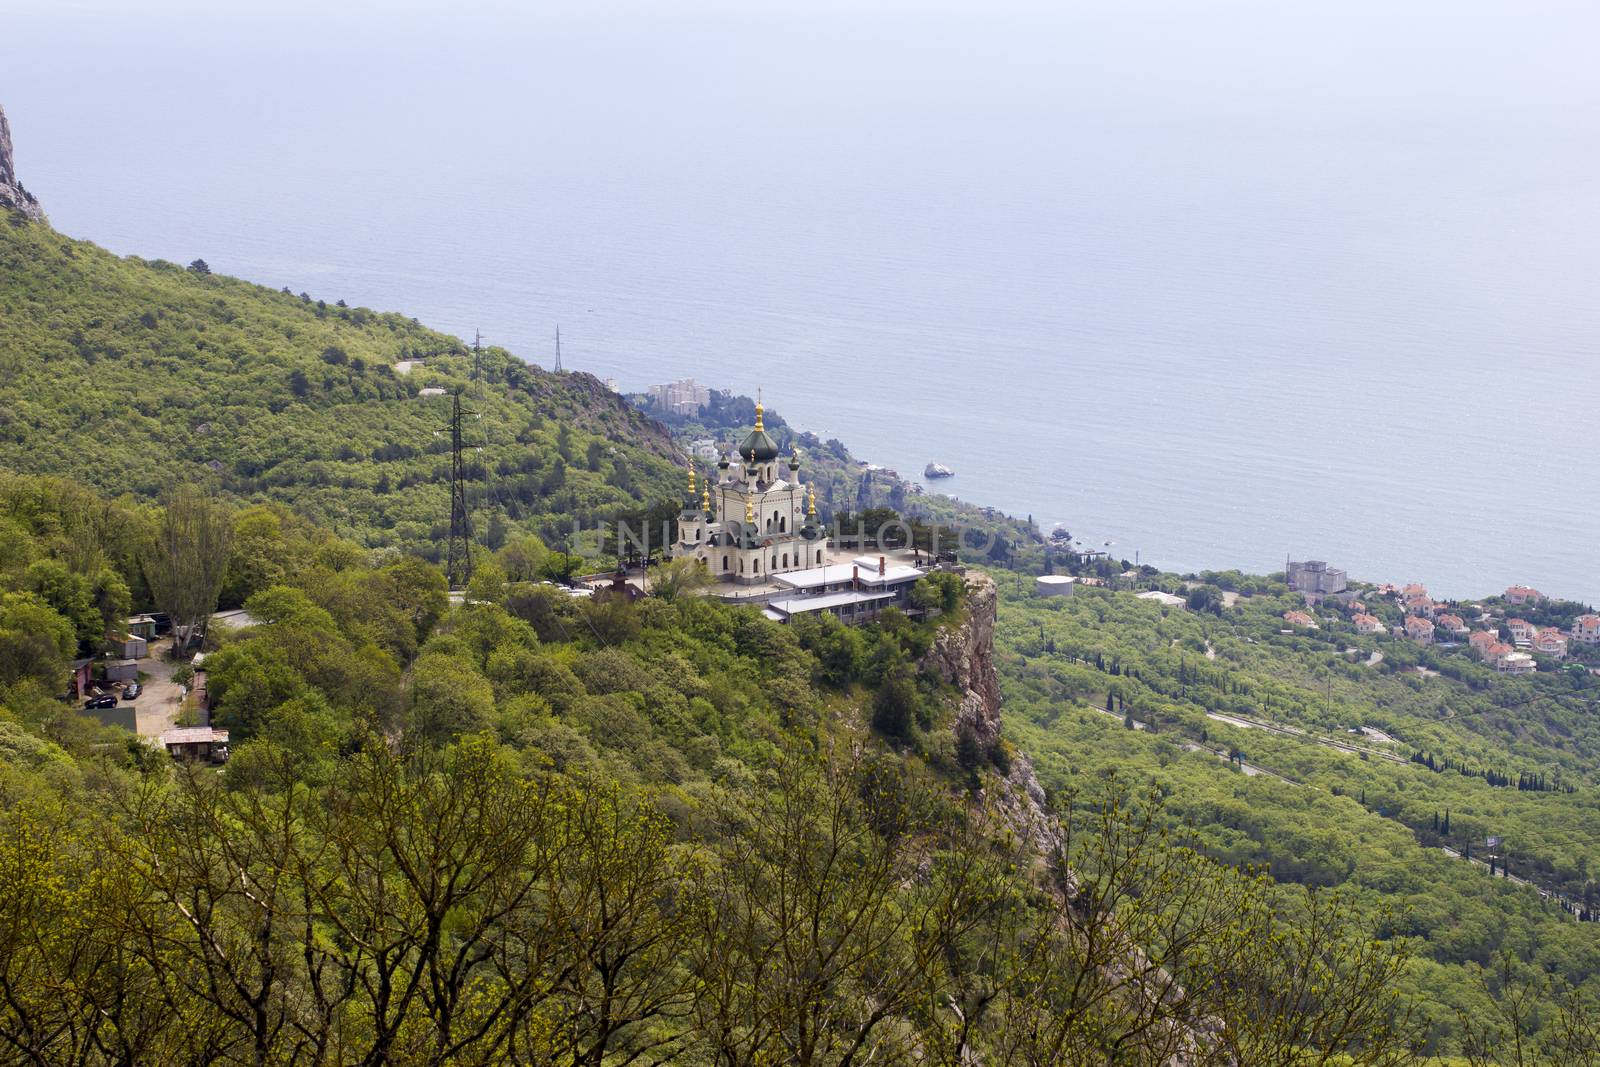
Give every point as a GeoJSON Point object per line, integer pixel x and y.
{"type": "Point", "coordinates": [458, 563]}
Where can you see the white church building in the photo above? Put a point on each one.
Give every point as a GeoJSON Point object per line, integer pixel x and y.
{"type": "Point", "coordinates": [756, 520]}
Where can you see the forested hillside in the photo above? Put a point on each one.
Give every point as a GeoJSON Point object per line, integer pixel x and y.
{"type": "Point", "coordinates": [537, 829]}
{"type": "Point", "coordinates": [1499, 770]}
{"type": "Point", "coordinates": [132, 376]}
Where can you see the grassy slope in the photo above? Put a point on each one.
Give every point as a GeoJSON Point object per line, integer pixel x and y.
{"type": "Point", "coordinates": [131, 375]}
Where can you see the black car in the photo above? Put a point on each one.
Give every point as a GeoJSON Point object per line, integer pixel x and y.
{"type": "Point", "coordinates": [131, 691]}
{"type": "Point", "coordinates": [104, 700]}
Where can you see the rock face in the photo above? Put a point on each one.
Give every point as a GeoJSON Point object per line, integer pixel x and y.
{"type": "Point", "coordinates": [13, 197]}
{"type": "Point", "coordinates": [963, 656]}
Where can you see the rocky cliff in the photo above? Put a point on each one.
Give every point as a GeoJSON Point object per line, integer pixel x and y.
{"type": "Point", "coordinates": [963, 656]}
{"type": "Point", "coordinates": [13, 197]}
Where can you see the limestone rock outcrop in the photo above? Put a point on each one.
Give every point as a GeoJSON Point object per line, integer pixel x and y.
{"type": "Point", "coordinates": [13, 197]}
{"type": "Point", "coordinates": [962, 655]}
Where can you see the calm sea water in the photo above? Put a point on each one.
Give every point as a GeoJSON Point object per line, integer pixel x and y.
{"type": "Point", "coordinates": [1215, 281]}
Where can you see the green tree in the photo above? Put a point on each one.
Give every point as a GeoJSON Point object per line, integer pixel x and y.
{"type": "Point", "coordinates": [187, 561]}
{"type": "Point", "coordinates": [35, 641]}
{"type": "Point", "coordinates": [678, 578]}
{"type": "Point", "coordinates": [448, 698]}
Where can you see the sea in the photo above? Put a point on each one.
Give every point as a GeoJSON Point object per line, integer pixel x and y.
{"type": "Point", "coordinates": [1209, 283]}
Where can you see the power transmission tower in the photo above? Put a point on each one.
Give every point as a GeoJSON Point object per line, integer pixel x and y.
{"type": "Point", "coordinates": [458, 563]}
{"type": "Point", "coordinates": [477, 358]}
{"type": "Point", "coordinates": [558, 348]}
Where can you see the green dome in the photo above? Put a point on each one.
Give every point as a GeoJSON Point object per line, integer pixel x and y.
{"type": "Point", "coordinates": [757, 447]}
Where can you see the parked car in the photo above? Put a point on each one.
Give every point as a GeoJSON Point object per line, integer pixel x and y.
{"type": "Point", "coordinates": [131, 691]}
{"type": "Point", "coordinates": [104, 700]}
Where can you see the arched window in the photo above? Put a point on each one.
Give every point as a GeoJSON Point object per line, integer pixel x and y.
{"type": "Point", "coordinates": [741, 566]}
{"type": "Point", "coordinates": [774, 561]}
{"type": "Point", "coordinates": [755, 565]}
{"type": "Point", "coordinates": [783, 524]}
{"type": "Point", "coordinates": [724, 562]}
{"type": "Point", "coordinates": [819, 555]}
{"type": "Point", "coordinates": [786, 559]}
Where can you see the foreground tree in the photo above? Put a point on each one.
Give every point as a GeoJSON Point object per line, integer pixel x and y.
{"type": "Point", "coordinates": [678, 578]}
{"type": "Point", "coordinates": [1141, 951]}
{"type": "Point", "coordinates": [1518, 1031]}
{"type": "Point", "coordinates": [830, 906]}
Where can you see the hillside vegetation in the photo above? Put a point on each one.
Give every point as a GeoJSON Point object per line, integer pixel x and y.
{"type": "Point", "coordinates": [132, 376]}
{"type": "Point", "coordinates": [528, 827]}
{"type": "Point", "coordinates": [535, 829]}
{"type": "Point", "coordinates": [1105, 683]}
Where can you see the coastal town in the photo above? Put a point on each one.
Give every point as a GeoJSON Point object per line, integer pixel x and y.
{"type": "Point", "coordinates": [1518, 632]}
{"type": "Point", "coordinates": [1521, 631]}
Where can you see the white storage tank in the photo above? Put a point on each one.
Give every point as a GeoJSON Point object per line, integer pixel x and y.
{"type": "Point", "coordinates": [1054, 584]}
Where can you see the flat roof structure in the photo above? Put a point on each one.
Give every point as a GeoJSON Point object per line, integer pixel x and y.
{"type": "Point", "coordinates": [863, 568]}
{"type": "Point", "coordinates": [193, 735]}
{"type": "Point", "coordinates": [826, 602]}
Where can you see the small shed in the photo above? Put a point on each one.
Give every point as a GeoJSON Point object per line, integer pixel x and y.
{"type": "Point", "coordinates": [196, 742]}
{"type": "Point", "coordinates": [122, 670]}
{"type": "Point", "coordinates": [129, 646]}
{"type": "Point", "coordinates": [142, 626]}
{"type": "Point", "coordinates": [1055, 585]}
{"type": "Point", "coordinates": [82, 678]}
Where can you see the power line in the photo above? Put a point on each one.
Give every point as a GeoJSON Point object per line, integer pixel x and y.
{"type": "Point", "coordinates": [458, 561]}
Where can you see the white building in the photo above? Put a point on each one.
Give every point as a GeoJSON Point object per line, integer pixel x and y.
{"type": "Point", "coordinates": [756, 519]}
{"type": "Point", "coordinates": [1055, 585]}
{"type": "Point", "coordinates": [1314, 578]}
{"type": "Point", "coordinates": [680, 398]}
{"type": "Point", "coordinates": [854, 592]}
{"type": "Point", "coordinates": [1516, 663]}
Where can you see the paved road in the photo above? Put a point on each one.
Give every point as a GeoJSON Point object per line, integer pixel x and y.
{"type": "Point", "coordinates": [1250, 770]}
{"type": "Point", "coordinates": [157, 707]}
{"type": "Point", "coordinates": [1245, 723]}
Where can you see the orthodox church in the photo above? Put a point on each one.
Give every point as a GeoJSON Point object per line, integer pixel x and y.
{"type": "Point", "coordinates": [756, 519]}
